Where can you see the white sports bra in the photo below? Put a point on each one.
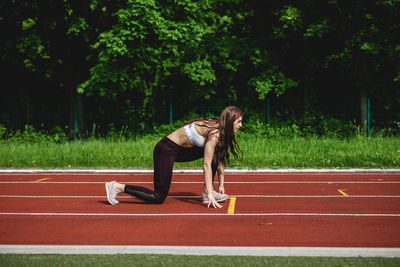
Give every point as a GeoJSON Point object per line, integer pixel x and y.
{"type": "Point", "coordinates": [194, 136]}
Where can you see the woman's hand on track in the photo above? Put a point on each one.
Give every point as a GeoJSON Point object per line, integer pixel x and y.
{"type": "Point", "coordinates": [213, 202]}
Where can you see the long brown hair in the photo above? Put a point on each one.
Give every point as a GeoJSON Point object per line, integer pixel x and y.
{"type": "Point", "coordinates": [223, 126]}
{"type": "Point", "coordinates": [227, 139]}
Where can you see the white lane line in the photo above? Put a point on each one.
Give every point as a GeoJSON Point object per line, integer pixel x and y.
{"type": "Point", "coordinates": [204, 250]}
{"type": "Point", "coordinates": [197, 171]}
{"type": "Point", "coordinates": [27, 196]}
{"type": "Point", "coordinates": [227, 182]}
{"type": "Point", "coordinates": [318, 196]}
{"type": "Point", "coordinates": [240, 196]}
{"type": "Point", "coordinates": [197, 214]}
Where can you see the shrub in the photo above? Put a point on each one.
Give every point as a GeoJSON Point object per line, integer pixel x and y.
{"type": "Point", "coordinates": [31, 135]}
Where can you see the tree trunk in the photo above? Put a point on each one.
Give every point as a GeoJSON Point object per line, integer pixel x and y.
{"type": "Point", "coordinates": [363, 111]}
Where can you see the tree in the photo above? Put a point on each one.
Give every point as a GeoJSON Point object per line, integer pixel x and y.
{"type": "Point", "coordinates": [152, 44]}
{"type": "Point", "coordinates": [336, 48]}
{"type": "Point", "coordinates": [125, 60]}
{"type": "Point", "coordinates": [51, 39]}
{"type": "Point", "coordinates": [369, 50]}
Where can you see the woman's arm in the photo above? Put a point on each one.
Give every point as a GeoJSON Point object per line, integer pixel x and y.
{"type": "Point", "coordinates": [208, 157]}
{"type": "Point", "coordinates": [220, 172]}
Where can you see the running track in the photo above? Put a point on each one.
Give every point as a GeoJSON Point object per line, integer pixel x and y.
{"type": "Point", "coordinates": [330, 210]}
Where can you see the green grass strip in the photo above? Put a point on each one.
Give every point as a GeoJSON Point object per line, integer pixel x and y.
{"type": "Point", "coordinates": [258, 152]}
{"type": "Point", "coordinates": [178, 260]}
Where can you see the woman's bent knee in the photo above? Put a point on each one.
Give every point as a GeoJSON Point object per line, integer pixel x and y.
{"type": "Point", "coordinates": [159, 198]}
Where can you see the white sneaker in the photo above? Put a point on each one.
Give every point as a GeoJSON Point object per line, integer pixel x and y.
{"type": "Point", "coordinates": [112, 193]}
{"type": "Point", "coordinates": [218, 197]}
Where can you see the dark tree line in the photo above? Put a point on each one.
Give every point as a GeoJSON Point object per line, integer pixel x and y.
{"type": "Point", "coordinates": [128, 62]}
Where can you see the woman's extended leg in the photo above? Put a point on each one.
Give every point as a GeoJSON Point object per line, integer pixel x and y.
{"type": "Point", "coordinates": [164, 157]}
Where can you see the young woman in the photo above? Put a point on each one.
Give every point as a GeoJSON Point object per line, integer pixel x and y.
{"type": "Point", "coordinates": [210, 139]}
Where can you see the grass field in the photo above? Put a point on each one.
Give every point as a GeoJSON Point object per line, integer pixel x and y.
{"type": "Point", "coordinates": [258, 152]}
{"type": "Point", "coordinates": [198, 261]}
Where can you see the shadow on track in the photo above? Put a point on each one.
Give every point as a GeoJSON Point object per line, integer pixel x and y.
{"type": "Point", "coordinates": [181, 196]}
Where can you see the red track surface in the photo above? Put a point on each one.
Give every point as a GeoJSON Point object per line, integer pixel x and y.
{"type": "Point", "coordinates": [271, 210]}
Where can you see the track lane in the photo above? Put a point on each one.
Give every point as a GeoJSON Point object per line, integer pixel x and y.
{"type": "Point", "coordinates": [243, 205]}
{"type": "Point", "coordinates": [61, 189]}
{"type": "Point", "coordinates": [208, 230]}
{"type": "Point", "coordinates": [342, 205]}
{"type": "Point", "coordinates": [198, 177]}
{"type": "Point", "coordinates": [241, 230]}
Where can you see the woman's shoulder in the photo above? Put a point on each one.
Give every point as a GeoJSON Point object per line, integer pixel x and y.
{"type": "Point", "coordinates": [208, 125]}
{"type": "Point", "coordinates": [207, 122]}
{"type": "Point", "coordinates": [213, 134]}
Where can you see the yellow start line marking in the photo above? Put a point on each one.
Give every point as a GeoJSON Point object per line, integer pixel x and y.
{"type": "Point", "coordinates": [40, 180]}
{"type": "Point", "coordinates": [232, 202]}
{"type": "Point", "coordinates": [343, 193]}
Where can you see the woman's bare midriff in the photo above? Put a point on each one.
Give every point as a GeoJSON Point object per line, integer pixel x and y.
{"type": "Point", "coordinates": [180, 138]}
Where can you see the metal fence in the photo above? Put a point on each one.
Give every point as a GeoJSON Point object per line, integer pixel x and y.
{"type": "Point", "coordinates": [377, 116]}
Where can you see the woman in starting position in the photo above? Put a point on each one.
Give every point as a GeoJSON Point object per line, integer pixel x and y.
{"type": "Point", "coordinates": [199, 138]}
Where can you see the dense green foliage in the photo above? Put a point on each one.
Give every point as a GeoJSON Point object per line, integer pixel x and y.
{"type": "Point", "coordinates": [124, 63]}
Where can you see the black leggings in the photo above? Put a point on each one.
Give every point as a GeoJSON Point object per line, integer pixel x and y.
{"type": "Point", "coordinates": [165, 154]}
